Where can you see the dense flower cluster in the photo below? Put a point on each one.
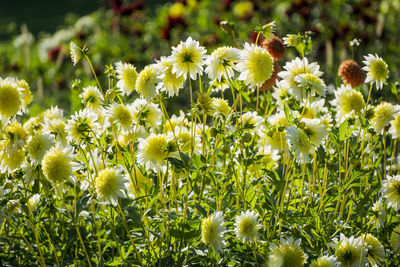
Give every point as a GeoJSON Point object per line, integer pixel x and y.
{"type": "Point", "coordinates": [237, 171]}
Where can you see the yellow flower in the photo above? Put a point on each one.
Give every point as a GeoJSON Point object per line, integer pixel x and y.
{"type": "Point", "coordinates": [37, 146]}
{"type": "Point", "coordinates": [377, 70]}
{"type": "Point", "coordinates": [127, 76]}
{"type": "Point", "coordinates": [57, 164]}
{"type": "Point", "coordinates": [246, 226]}
{"type": "Point", "coordinates": [395, 239]}
{"type": "Point", "coordinates": [287, 254]}
{"type": "Point", "coordinates": [10, 99]}
{"type": "Point", "coordinates": [153, 152]}
{"type": "Point", "coordinates": [256, 65]}
{"type": "Point", "coordinates": [110, 185]}
{"type": "Point", "coordinates": [375, 250]}
{"type": "Point", "coordinates": [212, 230]}
{"type": "Point", "coordinates": [25, 92]}
{"type": "Point", "coordinates": [120, 115]}
{"type": "Point", "coordinates": [383, 114]}
{"type": "Point", "coordinates": [146, 82]}
{"type": "Point", "coordinates": [170, 82]}
{"type": "Point", "coordinates": [348, 103]}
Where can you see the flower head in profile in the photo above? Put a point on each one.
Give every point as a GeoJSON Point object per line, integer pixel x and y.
{"type": "Point", "coordinates": [255, 65]}
{"type": "Point", "coordinates": [188, 58]}
{"type": "Point", "coordinates": [350, 252]}
{"type": "Point", "coordinates": [394, 129]}
{"type": "Point", "coordinates": [310, 82]}
{"type": "Point", "coordinates": [170, 82]}
{"type": "Point", "coordinates": [383, 114]}
{"type": "Point", "coordinates": [92, 97]}
{"type": "Point", "coordinates": [246, 226]}
{"type": "Point", "coordinates": [288, 253]}
{"type": "Point", "coordinates": [221, 106]}
{"type": "Point", "coordinates": [221, 63]}
{"type": "Point", "coordinates": [375, 250]}
{"type": "Point", "coordinates": [10, 99]}
{"type": "Point", "coordinates": [32, 203]}
{"type": "Point", "coordinates": [212, 230]}
{"type": "Point", "coordinates": [219, 85]}
{"type": "Point", "coordinates": [292, 39]}
{"type": "Point", "coordinates": [76, 52]}
{"type": "Point", "coordinates": [127, 75]}
{"type": "Point", "coordinates": [377, 70]}
{"type": "Point", "coordinates": [110, 185]}
{"type": "Point", "coordinates": [391, 191]}
{"type": "Point", "coordinates": [348, 102]}
{"type": "Point", "coordinates": [146, 82]}
{"type": "Point", "coordinates": [58, 164]}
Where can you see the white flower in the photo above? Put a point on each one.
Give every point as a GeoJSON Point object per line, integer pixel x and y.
{"type": "Point", "coordinates": [146, 114]}
{"type": "Point", "coordinates": [383, 114]}
{"type": "Point", "coordinates": [351, 252]}
{"type": "Point", "coordinates": [110, 185]}
{"type": "Point", "coordinates": [391, 191]}
{"type": "Point", "coordinates": [297, 67]}
{"type": "Point", "coordinates": [91, 97]}
{"type": "Point", "coordinates": [315, 130]}
{"type": "Point", "coordinates": [153, 152]}
{"type": "Point", "coordinates": [379, 213]}
{"type": "Point", "coordinates": [38, 144]}
{"type": "Point", "coordinates": [170, 82]}
{"type": "Point", "coordinates": [325, 261]}
{"type": "Point", "coordinates": [188, 57]}
{"type": "Point", "coordinates": [255, 65]}
{"type": "Point", "coordinates": [146, 82]}
{"type": "Point", "coordinates": [348, 102]}
{"type": "Point", "coordinates": [299, 143]}
{"type": "Point", "coordinates": [221, 63]}
{"type": "Point", "coordinates": [76, 52]}
{"type": "Point", "coordinates": [246, 226]}
{"type": "Point", "coordinates": [127, 76]}
{"type": "Point", "coordinates": [281, 93]}
{"type": "Point", "coordinates": [212, 230]}
{"type": "Point", "coordinates": [377, 70]}
{"type": "Point", "coordinates": [82, 125]}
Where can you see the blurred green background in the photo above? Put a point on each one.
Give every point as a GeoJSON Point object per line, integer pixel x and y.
{"type": "Point", "coordinates": [141, 31]}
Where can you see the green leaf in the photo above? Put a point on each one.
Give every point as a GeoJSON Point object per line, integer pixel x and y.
{"type": "Point", "coordinates": [345, 131]}
{"type": "Point", "coordinates": [201, 210]}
